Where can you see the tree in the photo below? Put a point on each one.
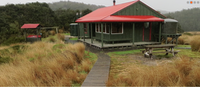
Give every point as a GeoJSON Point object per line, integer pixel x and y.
{"type": "Point", "coordinates": [86, 11]}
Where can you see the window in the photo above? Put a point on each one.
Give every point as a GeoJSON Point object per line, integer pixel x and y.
{"type": "Point", "coordinates": [98, 27]}
{"type": "Point", "coordinates": [106, 28]}
{"type": "Point", "coordinates": [117, 28]}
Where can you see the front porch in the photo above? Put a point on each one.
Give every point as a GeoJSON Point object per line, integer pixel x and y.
{"type": "Point", "coordinates": [110, 45]}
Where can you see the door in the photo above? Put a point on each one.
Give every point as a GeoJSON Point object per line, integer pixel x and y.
{"type": "Point", "coordinates": [139, 32]}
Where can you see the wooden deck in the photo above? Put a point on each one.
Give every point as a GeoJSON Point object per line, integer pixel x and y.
{"type": "Point", "coordinates": [106, 45]}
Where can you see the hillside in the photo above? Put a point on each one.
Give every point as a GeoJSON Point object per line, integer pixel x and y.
{"type": "Point", "coordinates": [188, 19]}
{"type": "Point", "coordinates": [72, 5]}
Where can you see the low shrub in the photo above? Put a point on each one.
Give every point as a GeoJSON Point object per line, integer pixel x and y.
{"type": "Point", "coordinates": [13, 40]}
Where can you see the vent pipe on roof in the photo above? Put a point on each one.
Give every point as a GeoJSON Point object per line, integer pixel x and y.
{"type": "Point", "coordinates": [114, 2]}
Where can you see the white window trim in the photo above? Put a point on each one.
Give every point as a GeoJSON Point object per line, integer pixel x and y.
{"type": "Point", "coordinates": [99, 24]}
{"type": "Point", "coordinates": [122, 29]}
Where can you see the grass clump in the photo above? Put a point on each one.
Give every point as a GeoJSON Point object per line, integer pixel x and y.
{"type": "Point", "coordinates": [52, 39]}
{"type": "Point", "coordinates": [180, 72]}
{"type": "Point", "coordinates": [41, 65]}
{"type": "Point", "coordinates": [195, 44]}
{"type": "Point", "coordinates": [61, 37]}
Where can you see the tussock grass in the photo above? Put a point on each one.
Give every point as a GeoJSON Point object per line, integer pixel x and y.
{"type": "Point", "coordinates": [186, 39]}
{"type": "Point", "coordinates": [61, 37]}
{"type": "Point", "coordinates": [52, 32]}
{"type": "Point", "coordinates": [195, 44]}
{"type": "Point", "coordinates": [46, 64]}
{"type": "Point", "coordinates": [180, 72]}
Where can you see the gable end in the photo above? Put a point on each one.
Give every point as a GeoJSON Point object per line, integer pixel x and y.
{"type": "Point", "coordinates": [139, 8]}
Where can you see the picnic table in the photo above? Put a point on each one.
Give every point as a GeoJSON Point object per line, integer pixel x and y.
{"type": "Point", "coordinates": [169, 48]}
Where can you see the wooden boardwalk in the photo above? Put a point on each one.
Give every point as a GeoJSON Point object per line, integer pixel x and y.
{"type": "Point", "coordinates": [98, 75]}
{"type": "Point", "coordinates": [106, 45]}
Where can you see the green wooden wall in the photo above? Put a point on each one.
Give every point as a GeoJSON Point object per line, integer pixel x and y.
{"type": "Point", "coordinates": [81, 30]}
{"type": "Point", "coordinates": [138, 9]}
{"type": "Point", "coordinates": [128, 29]}
{"type": "Point", "coordinates": [126, 35]}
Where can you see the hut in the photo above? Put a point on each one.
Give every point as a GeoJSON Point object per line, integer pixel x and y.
{"type": "Point", "coordinates": [35, 28]}
{"type": "Point", "coordinates": [128, 24]}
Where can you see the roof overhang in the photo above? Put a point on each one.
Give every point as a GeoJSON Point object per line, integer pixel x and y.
{"type": "Point", "coordinates": [117, 18]}
{"type": "Point", "coordinates": [30, 26]}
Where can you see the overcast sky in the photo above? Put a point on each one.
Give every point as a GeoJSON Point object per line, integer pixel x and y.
{"type": "Point", "coordinates": [166, 5]}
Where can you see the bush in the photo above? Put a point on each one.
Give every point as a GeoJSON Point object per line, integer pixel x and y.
{"type": "Point", "coordinates": [13, 40]}
{"type": "Point", "coordinates": [195, 44]}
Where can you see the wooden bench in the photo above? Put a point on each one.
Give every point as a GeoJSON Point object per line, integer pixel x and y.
{"type": "Point", "coordinates": [169, 48]}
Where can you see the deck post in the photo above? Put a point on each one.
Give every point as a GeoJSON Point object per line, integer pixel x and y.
{"type": "Point", "coordinates": [37, 34]}
{"type": "Point", "coordinates": [133, 33]}
{"type": "Point", "coordinates": [25, 34]}
{"type": "Point", "coordinates": [83, 33]}
{"type": "Point", "coordinates": [160, 33]}
{"type": "Point", "coordinates": [91, 33]}
{"type": "Point", "coordinates": [176, 40]}
{"type": "Point", "coordinates": [78, 31]}
{"type": "Point", "coordinates": [102, 35]}
{"type": "Point", "coordinates": [110, 32]}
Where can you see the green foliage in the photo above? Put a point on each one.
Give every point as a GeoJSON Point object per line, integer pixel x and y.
{"type": "Point", "coordinates": [5, 60]}
{"type": "Point", "coordinates": [183, 46]}
{"type": "Point", "coordinates": [189, 53]}
{"type": "Point", "coordinates": [83, 72]}
{"type": "Point", "coordinates": [188, 19]}
{"type": "Point", "coordinates": [73, 38]}
{"type": "Point", "coordinates": [13, 40]}
{"type": "Point", "coordinates": [125, 52]}
{"type": "Point", "coordinates": [189, 34]}
{"type": "Point", "coordinates": [58, 47]}
{"type": "Point", "coordinates": [91, 56]}
{"type": "Point", "coordinates": [86, 11]}
{"type": "Point", "coordinates": [31, 59]}
{"type": "Point", "coordinates": [14, 16]}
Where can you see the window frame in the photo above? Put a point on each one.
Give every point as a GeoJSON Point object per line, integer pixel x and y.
{"type": "Point", "coordinates": [98, 28]}
{"type": "Point", "coordinates": [122, 28]}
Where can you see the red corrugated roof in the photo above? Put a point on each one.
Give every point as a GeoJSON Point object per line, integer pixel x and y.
{"type": "Point", "coordinates": [99, 14]}
{"type": "Point", "coordinates": [30, 26]}
{"type": "Point", "coordinates": [120, 18]}
{"type": "Point", "coordinates": [105, 15]}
